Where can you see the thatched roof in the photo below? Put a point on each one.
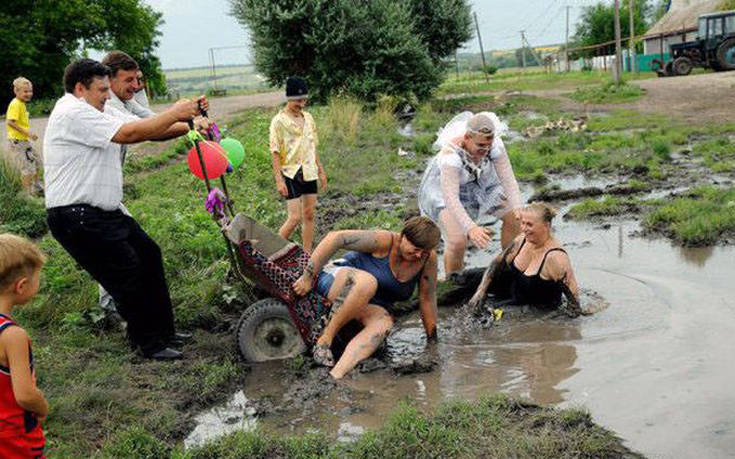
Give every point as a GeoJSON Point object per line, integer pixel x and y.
{"type": "Point", "coordinates": [683, 14]}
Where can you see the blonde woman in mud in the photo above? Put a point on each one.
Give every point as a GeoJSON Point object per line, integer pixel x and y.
{"type": "Point", "coordinates": [381, 268]}
{"type": "Point", "coordinates": [470, 179]}
{"type": "Point", "coordinates": [534, 269]}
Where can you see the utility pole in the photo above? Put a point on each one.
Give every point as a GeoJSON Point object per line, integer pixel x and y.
{"type": "Point", "coordinates": [566, 46]}
{"type": "Point", "coordinates": [523, 48]}
{"type": "Point", "coordinates": [617, 70]}
{"type": "Point", "coordinates": [631, 42]}
{"type": "Point", "coordinates": [482, 51]}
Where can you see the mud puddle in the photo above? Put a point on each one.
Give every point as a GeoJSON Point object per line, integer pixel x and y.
{"type": "Point", "coordinates": [654, 366]}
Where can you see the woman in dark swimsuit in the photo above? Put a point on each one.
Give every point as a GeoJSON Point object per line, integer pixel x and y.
{"type": "Point", "coordinates": [381, 269]}
{"type": "Point", "coordinates": [534, 269]}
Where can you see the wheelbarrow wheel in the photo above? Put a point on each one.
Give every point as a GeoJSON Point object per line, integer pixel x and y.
{"type": "Point", "coordinates": [267, 332]}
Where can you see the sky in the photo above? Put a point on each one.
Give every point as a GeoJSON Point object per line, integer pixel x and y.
{"type": "Point", "coordinates": [194, 26]}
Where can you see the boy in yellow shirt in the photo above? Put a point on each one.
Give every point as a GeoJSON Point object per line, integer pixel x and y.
{"type": "Point", "coordinates": [20, 135]}
{"type": "Point", "coordinates": [296, 165]}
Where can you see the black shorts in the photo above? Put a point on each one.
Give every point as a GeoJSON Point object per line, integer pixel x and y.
{"type": "Point", "coordinates": [297, 187]}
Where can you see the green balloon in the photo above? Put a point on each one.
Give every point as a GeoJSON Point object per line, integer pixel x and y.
{"type": "Point", "coordinates": [235, 151]}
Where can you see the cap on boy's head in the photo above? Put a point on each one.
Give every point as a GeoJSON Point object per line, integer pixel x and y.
{"type": "Point", "coordinates": [481, 125]}
{"type": "Point", "coordinates": [19, 257]}
{"type": "Point", "coordinates": [21, 82]}
{"type": "Point", "coordinates": [296, 88]}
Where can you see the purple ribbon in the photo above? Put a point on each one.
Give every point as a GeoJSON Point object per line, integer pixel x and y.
{"type": "Point", "coordinates": [215, 204]}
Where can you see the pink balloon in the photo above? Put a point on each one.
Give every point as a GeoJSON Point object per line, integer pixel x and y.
{"type": "Point", "coordinates": [214, 157]}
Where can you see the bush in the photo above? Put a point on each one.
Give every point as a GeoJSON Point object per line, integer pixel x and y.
{"type": "Point", "coordinates": [491, 70]}
{"type": "Point", "coordinates": [364, 49]}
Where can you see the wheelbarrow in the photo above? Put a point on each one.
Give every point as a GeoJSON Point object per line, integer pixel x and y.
{"type": "Point", "coordinates": [282, 325]}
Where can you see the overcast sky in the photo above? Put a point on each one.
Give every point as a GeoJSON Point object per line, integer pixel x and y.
{"type": "Point", "coordinates": [194, 26]}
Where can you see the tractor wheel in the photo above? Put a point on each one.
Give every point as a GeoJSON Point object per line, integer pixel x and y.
{"type": "Point", "coordinates": [267, 332]}
{"type": "Point", "coordinates": [726, 55]}
{"type": "Point", "coordinates": [669, 69]}
{"type": "Point", "coordinates": [682, 66]}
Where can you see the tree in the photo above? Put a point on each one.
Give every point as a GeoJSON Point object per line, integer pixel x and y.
{"type": "Point", "coordinates": [38, 38]}
{"type": "Point", "coordinates": [362, 47]}
{"type": "Point", "coordinates": [597, 23]}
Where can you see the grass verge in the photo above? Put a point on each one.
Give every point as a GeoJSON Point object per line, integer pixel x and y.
{"type": "Point", "coordinates": [607, 93]}
{"type": "Point", "coordinates": [495, 426]}
{"type": "Point", "coordinates": [701, 216]}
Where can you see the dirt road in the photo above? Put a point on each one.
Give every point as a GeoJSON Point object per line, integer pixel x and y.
{"type": "Point", "coordinates": [701, 99]}
{"type": "Point", "coordinates": [221, 109]}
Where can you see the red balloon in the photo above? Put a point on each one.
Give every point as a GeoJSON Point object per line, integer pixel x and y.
{"type": "Point", "coordinates": [214, 157]}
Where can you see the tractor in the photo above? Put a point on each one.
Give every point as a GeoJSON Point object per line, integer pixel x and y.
{"type": "Point", "coordinates": [714, 48]}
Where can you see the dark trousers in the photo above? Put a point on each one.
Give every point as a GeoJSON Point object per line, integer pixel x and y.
{"type": "Point", "coordinates": [119, 255]}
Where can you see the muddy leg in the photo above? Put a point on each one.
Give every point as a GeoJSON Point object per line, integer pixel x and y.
{"type": "Point", "coordinates": [455, 241]}
{"type": "Point", "coordinates": [377, 324]}
{"type": "Point", "coordinates": [293, 207]}
{"type": "Point", "coordinates": [511, 228]}
{"type": "Point", "coordinates": [308, 208]}
{"type": "Point", "coordinates": [350, 293]}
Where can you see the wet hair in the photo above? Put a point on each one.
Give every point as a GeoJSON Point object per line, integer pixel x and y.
{"type": "Point", "coordinates": [19, 82]}
{"type": "Point", "coordinates": [118, 60]}
{"type": "Point", "coordinates": [19, 257]}
{"type": "Point", "coordinates": [543, 210]}
{"type": "Point", "coordinates": [83, 71]}
{"type": "Point", "coordinates": [421, 232]}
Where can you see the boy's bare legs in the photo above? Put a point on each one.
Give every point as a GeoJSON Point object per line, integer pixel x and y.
{"type": "Point", "coordinates": [293, 207]}
{"type": "Point", "coordinates": [377, 324]}
{"type": "Point", "coordinates": [455, 243]}
{"type": "Point", "coordinates": [308, 210]}
{"type": "Point", "coordinates": [350, 293]}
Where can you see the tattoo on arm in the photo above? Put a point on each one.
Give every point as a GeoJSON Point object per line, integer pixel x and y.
{"type": "Point", "coordinates": [362, 241]}
{"type": "Point", "coordinates": [309, 270]}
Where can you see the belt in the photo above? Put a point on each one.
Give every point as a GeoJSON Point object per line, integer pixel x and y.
{"type": "Point", "coordinates": [79, 208]}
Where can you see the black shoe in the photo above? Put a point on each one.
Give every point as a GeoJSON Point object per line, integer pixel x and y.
{"type": "Point", "coordinates": [180, 338]}
{"type": "Point", "coordinates": [166, 354]}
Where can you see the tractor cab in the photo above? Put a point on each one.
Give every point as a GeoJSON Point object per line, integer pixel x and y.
{"type": "Point", "coordinates": [714, 47]}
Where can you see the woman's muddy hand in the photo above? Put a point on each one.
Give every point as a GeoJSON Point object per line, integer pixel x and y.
{"type": "Point", "coordinates": [480, 236]}
{"type": "Point", "coordinates": [475, 301]}
{"type": "Point", "coordinates": [302, 286]}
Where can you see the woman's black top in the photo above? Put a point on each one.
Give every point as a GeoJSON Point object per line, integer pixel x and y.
{"type": "Point", "coordinates": [512, 283]}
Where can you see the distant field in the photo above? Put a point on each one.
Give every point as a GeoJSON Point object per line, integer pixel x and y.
{"type": "Point", "coordinates": [200, 79]}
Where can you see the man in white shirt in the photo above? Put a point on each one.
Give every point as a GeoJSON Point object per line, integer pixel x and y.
{"type": "Point", "coordinates": [124, 82]}
{"type": "Point", "coordinates": [83, 175]}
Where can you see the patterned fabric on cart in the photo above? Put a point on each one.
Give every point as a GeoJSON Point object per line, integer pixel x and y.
{"type": "Point", "coordinates": [309, 312]}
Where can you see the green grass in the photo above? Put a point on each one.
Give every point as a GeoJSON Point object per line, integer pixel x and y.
{"type": "Point", "coordinates": [701, 216]}
{"type": "Point", "coordinates": [718, 154]}
{"type": "Point", "coordinates": [20, 213]}
{"type": "Point", "coordinates": [531, 80]}
{"type": "Point", "coordinates": [607, 93]}
{"type": "Point", "coordinates": [607, 207]}
{"type": "Point", "coordinates": [495, 426]}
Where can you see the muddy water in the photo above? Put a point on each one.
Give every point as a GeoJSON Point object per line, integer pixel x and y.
{"type": "Point", "coordinates": [655, 366]}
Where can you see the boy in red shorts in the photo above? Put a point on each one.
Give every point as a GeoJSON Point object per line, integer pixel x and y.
{"type": "Point", "coordinates": [22, 405]}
